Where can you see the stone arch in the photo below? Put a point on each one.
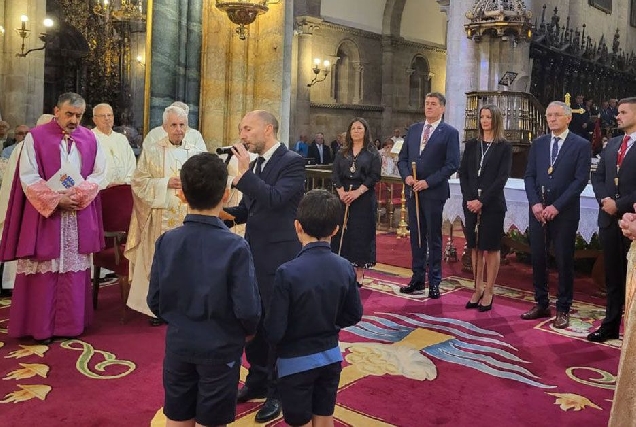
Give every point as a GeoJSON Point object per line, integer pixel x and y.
{"type": "Point", "coordinates": [392, 20]}
{"type": "Point", "coordinates": [347, 73]}
{"type": "Point", "coordinates": [419, 80]}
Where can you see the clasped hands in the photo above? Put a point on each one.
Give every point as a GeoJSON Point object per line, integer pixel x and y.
{"type": "Point", "coordinates": [544, 214]}
{"type": "Point", "coordinates": [474, 206]}
{"type": "Point", "coordinates": [69, 200]}
{"type": "Point", "coordinates": [417, 184]}
{"type": "Point", "coordinates": [347, 197]}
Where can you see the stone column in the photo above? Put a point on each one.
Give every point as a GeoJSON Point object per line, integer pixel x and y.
{"type": "Point", "coordinates": [176, 57]}
{"type": "Point", "coordinates": [388, 98]}
{"type": "Point", "coordinates": [305, 26]}
{"type": "Point", "coordinates": [241, 75]}
{"type": "Point", "coordinates": [21, 79]}
{"type": "Point", "coordinates": [460, 74]}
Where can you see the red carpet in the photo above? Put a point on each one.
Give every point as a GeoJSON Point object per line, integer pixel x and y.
{"type": "Point", "coordinates": [397, 252]}
{"type": "Point", "coordinates": [411, 362]}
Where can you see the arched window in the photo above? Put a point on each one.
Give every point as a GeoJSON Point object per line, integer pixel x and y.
{"type": "Point", "coordinates": [347, 74]}
{"type": "Point", "coordinates": [419, 81]}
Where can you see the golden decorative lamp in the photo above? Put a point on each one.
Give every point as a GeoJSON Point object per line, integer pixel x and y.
{"type": "Point", "coordinates": [317, 70]}
{"type": "Point", "coordinates": [244, 12]}
{"type": "Point", "coordinates": [24, 34]}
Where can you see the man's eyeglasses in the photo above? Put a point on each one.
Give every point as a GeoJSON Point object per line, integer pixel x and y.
{"type": "Point", "coordinates": [104, 116]}
{"type": "Point", "coordinates": [20, 133]}
{"type": "Point", "coordinates": [557, 115]}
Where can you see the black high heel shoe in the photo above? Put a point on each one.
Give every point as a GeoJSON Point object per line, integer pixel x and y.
{"type": "Point", "coordinates": [488, 307]}
{"type": "Point", "coordinates": [470, 304]}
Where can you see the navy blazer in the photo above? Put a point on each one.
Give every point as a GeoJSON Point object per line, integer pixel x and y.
{"type": "Point", "coordinates": [315, 295]}
{"type": "Point", "coordinates": [570, 175]}
{"type": "Point", "coordinates": [437, 162]}
{"type": "Point", "coordinates": [604, 184]}
{"type": "Point", "coordinates": [495, 171]}
{"type": "Point", "coordinates": [202, 282]}
{"type": "Point", "coordinates": [268, 208]}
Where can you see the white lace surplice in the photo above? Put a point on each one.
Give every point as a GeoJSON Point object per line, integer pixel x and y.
{"type": "Point", "coordinates": [70, 259]}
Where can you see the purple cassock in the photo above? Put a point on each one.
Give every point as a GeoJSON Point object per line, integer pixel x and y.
{"type": "Point", "coordinates": [52, 294]}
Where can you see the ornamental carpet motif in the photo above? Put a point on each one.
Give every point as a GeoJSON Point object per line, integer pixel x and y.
{"type": "Point", "coordinates": [411, 361]}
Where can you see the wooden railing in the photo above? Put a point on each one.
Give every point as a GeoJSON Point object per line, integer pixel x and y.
{"type": "Point", "coordinates": [388, 190]}
{"type": "Point", "coordinates": [524, 120]}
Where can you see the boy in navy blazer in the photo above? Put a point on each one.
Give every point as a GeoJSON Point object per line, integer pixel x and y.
{"type": "Point", "coordinates": [315, 295]}
{"type": "Point", "coordinates": [557, 172]}
{"type": "Point", "coordinates": [434, 148]}
{"type": "Point", "coordinates": [202, 283]}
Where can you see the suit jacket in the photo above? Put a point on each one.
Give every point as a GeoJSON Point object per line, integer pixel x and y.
{"type": "Point", "coordinates": [268, 208]}
{"type": "Point", "coordinates": [211, 303]}
{"type": "Point", "coordinates": [313, 152]}
{"type": "Point", "coordinates": [604, 184]}
{"type": "Point", "coordinates": [437, 162]}
{"type": "Point", "coordinates": [570, 175]}
{"type": "Point", "coordinates": [495, 172]}
{"type": "Point", "coordinates": [315, 295]}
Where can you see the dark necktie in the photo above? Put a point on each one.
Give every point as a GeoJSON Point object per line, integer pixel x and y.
{"type": "Point", "coordinates": [555, 150]}
{"type": "Point", "coordinates": [622, 151]}
{"type": "Point", "coordinates": [259, 166]}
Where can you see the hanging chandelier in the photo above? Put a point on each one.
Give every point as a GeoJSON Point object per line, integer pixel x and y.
{"type": "Point", "coordinates": [244, 12]}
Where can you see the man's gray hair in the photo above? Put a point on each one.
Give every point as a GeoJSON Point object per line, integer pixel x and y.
{"type": "Point", "coordinates": [100, 106]}
{"type": "Point", "coordinates": [74, 99]}
{"type": "Point", "coordinates": [181, 105]}
{"type": "Point", "coordinates": [566, 108]}
{"type": "Point", "coordinates": [177, 111]}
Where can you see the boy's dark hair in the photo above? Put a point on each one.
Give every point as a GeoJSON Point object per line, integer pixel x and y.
{"type": "Point", "coordinates": [319, 212]}
{"type": "Point", "coordinates": [203, 180]}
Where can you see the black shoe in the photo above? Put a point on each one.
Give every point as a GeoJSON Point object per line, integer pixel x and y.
{"type": "Point", "coordinates": [471, 304]}
{"type": "Point", "coordinates": [413, 287]}
{"type": "Point", "coordinates": [488, 307]}
{"type": "Point", "coordinates": [245, 394]}
{"type": "Point", "coordinates": [45, 341]}
{"type": "Point", "coordinates": [433, 291]}
{"type": "Point", "coordinates": [157, 321]}
{"type": "Point", "coordinates": [359, 284]}
{"type": "Point", "coordinates": [602, 335]}
{"type": "Point", "coordinates": [269, 411]}
{"type": "Point", "coordinates": [8, 293]}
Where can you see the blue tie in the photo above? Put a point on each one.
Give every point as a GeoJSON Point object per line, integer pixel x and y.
{"type": "Point", "coordinates": [555, 150]}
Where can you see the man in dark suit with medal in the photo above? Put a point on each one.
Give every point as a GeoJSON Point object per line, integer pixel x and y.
{"type": "Point", "coordinates": [272, 187]}
{"type": "Point", "coordinates": [433, 147]}
{"type": "Point", "coordinates": [557, 172]}
{"type": "Point", "coordinates": [614, 185]}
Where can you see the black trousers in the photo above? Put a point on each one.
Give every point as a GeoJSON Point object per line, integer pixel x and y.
{"type": "Point", "coordinates": [615, 247]}
{"type": "Point", "coordinates": [561, 233]}
{"type": "Point", "coordinates": [262, 359]}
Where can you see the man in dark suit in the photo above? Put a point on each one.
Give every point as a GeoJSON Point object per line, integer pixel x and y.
{"type": "Point", "coordinates": [580, 118]}
{"type": "Point", "coordinates": [272, 186]}
{"type": "Point", "coordinates": [434, 146]}
{"type": "Point", "coordinates": [320, 151]}
{"type": "Point", "coordinates": [614, 185]}
{"type": "Point", "coordinates": [557, 172]}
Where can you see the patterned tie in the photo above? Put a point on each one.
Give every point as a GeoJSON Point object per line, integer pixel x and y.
{"type": "Point", "coordinates": [555, 150]}
{"type": "Point", "coordinates": [425, 136]}
{"type": "Point", "coordinates": [622, 151]}
{"type": "Point", "coordinates": [259, 166]}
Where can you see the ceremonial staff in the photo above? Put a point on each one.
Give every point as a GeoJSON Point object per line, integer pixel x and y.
{"type": "Point", "coordinates": [344, 223]}
{"type": "Point", "coordinates": [479, 271]}
{"type": "Point", "coordinates": [544, 224]}
{"type": "Point", "coordinates": [417, 207]}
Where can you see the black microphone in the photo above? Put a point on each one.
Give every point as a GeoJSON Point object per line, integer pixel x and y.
{"type": "Point", "coordinates": [224, 150]}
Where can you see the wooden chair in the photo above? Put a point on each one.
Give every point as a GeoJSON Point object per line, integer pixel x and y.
{"type": "Point", "coordinates": [117, 206]}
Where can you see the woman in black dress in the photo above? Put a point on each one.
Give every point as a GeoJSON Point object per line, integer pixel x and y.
{"type": "Point", "coordinates": [483, 172]}
{"type": "Point", "coordinates": [356, 170]}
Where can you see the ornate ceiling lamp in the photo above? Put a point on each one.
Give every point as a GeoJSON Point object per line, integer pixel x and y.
{"type": "Point", "coordinates": [499, 18]}
{"type": "Point", "coordinates": [244, 12]}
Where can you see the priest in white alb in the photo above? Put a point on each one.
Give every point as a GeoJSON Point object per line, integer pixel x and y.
{"type": "Point", "coordinates": [191, 135]}
{"type": "Point", "coordinates": [157, 206]}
